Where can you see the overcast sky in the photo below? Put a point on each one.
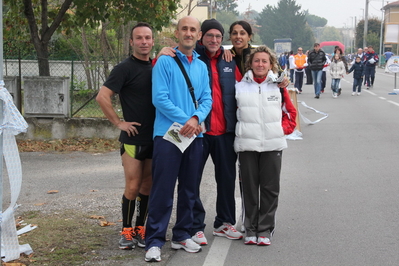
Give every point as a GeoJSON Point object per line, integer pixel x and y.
{"type": "Point", "coordinates": [337, 12]}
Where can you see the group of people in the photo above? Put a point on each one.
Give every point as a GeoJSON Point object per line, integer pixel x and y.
{"type": "Point", "coordinates": [246, 115]}
{"type": "Point", "coordinates": [316, 63]}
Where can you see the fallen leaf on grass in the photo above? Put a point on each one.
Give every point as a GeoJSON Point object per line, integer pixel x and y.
{"type": "Point", "coordinates": [96, 217]}
{"type": "Point", "coordinates": [39, 204]}
{"type": "Point", "coordinates": [12, 264]}
{"type": "Point", "coordinates": [106, 223]}
{"type": "Point", "coordinates": [52, 191]}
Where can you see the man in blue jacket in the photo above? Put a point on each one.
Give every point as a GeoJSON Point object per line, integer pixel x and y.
{"type": "Point", "coordinates": [173, 102]}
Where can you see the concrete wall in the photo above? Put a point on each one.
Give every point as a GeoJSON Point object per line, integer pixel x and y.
{"type": "Point", "coordinates": [62, 128]}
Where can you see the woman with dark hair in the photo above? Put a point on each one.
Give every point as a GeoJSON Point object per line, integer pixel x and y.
{"type": "Point", "coordinates": [240, 35]}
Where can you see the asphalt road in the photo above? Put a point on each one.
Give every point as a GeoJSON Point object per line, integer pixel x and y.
{"type": "Point", "coordinates": [339, 188]}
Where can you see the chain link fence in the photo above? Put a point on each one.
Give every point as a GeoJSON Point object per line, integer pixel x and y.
{"type": "Point", "coordinates": [86, 78]}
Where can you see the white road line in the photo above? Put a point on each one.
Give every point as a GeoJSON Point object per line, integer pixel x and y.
{"type": "Point", "coordinates": [372, 93]}
{"type": "Point", "coordinates": [395, 103]}
{"type": "Point", "coordinates": [220, 246]}
{"type": "Point", "coordinates": [218, 252]}
{"type": "Point", "coordinates": [382, 98]}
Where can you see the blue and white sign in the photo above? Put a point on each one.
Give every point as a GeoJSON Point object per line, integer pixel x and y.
{"type": "Point", "coordinates": [393, 64]}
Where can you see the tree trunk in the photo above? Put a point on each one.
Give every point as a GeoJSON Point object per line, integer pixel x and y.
{"type": "Point", "coordinates": [42, 58]}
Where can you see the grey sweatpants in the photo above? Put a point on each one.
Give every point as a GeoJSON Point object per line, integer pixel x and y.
{"type": "Point", "coordinates": [260, 175]}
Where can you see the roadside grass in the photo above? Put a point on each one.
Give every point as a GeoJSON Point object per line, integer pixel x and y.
{"type": "Point", "coordinates": [91, 145]}
{"type": "Point", "coordinates": [63, 238]}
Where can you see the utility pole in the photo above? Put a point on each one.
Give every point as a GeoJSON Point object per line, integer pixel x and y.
{"type": "Point", "coordinates": [382, 23]}
{"type": "Point", "coordinates": [366, 22]}
{"type": "Point", "coordinates": [355, 32]}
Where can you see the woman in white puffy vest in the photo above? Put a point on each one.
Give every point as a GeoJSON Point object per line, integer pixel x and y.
{"type": "Point", "coordinates": [265, 114]}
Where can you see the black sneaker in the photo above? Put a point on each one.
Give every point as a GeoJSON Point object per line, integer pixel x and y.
{"type": "Point", "coordinates": [174, 135]}
{"type": "Point", "coordinates": [139, 236]}
{"type": "Point", "coordinates": [126, 241]}
{"type": "Point", "coordinates": [339, 92]}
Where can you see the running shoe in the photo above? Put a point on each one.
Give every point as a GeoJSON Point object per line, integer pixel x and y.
{"type": "Point", "coordinates": [126, 241]}
{"type": "Point", "coordinates": [139, 236]}
{"type": "Point", "coordinates": [200, 238]}
{"type": "Point", "coordinates": [227, 230]}
{"type": "Point", "coordinates": [153, 254]}
{"type": "Point", "coordinates": [250, 240]}
{"type": "Point", "coordinates": [263, 241]}
{"type": "Point", "coordinates": [188, 245]}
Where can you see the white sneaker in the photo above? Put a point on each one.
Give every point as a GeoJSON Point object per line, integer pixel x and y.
{"type": "Point", "coordinates": [263, 241]}
{"type": "Point", "coordinates": [335, 95]}
{"type": "Point", "coordinates": [227, 230]}
{"type": "Point", "coordinates": [250, 240]}
{"type": "Point", "coordinates": [153, 254]}
{"type": "Point", "coordinates": [200, 238]}
{"type": "Point", "coordinates": [358, 94]}
{"type": "Point", "coordinates": [188, 245]}
{"type": "Point", "coordinates": [353, 93]}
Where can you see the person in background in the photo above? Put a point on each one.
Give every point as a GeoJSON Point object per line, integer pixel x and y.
{"type": "Point", "coordinates": [300, 62]}
{"type": "Point", "coordinates": [316, 61]}
{"type": "Point", "coordinates": [358, 73]}
{"type": "Point", "coordinates": [365, 50]}
{"type": "Point", "coordinates": [282, 60]}
{"type": "Point", "coordinates": [359, 54]}
{"type": "Point", "coordinates": [174, 103]}
{"type": "Point", "coordinates": [265, 113]}
{"type": "Point", "coordinates": [291, 63]}
{"type": "Point", "coordinates": [308, 73]}
{"type": "Point", "coordinates": [338, 50]}
{"type": "Point", "coordinates": [337, 70]}
{"type": "Point", "coordinates": [326, 68]}
{"type": "Point", "coordinates": [388, 54]}
{"type": "Point", "coordinates": [131, 79]}
{"type": "Point", "coordinates": [370, 60]}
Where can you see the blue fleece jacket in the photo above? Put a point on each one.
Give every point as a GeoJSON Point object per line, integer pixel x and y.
{"type": "Point", "coordinates": [171, 96]}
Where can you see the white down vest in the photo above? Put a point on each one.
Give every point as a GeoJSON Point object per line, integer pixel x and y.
{"type": "Point", "coordinates": [259, 116]}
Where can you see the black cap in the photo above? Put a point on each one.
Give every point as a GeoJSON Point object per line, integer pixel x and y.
{"type": "Point", "coordinates": [211, 24]}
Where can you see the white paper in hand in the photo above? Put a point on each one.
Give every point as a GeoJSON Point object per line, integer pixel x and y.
{"type": "Point", "coordinates": [173, 135]}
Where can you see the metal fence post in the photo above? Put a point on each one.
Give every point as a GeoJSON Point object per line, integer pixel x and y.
{"type": "Point", "coordinates": [71, 90]}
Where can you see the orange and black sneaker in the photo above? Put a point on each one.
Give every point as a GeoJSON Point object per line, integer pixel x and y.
{"type": "Point", "coordinates": [140, 236]}
{"type": "Point", "coordinates": [126, 241]}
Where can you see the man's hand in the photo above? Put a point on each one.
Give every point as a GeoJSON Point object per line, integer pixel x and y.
{"type": "Point", "coordinates": [190, 128]}
{"type": "Point", "coordinates": [227, 55]}
{"type": "Point", "coordinates": [129, 127]}
{"type": "Point", "coordinates": [167, 51]}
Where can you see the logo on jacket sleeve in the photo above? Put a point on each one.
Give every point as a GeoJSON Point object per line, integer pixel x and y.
{"type": "Point", "coordinates": [227, 69]}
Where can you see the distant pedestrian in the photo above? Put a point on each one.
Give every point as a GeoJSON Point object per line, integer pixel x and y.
{"type": "Point", "coordinates": [291, 64]}
{"type": "Point", "coordinates": [299, 64]}
{"type": "Point", "coordinates": [337, 70]}
{"type": "Point", "coordinates": [370, 60]}
{"type": "Point", "coordinates": [358, 74]}
{"type": "Point", "coordinates": [388, 54]}
{"type": "Point", "coordinates": [308, 73]}
{"type": "Point", "coordinates": [326, 68]}
{"type": "Point", "coordinates": [316, 60]}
